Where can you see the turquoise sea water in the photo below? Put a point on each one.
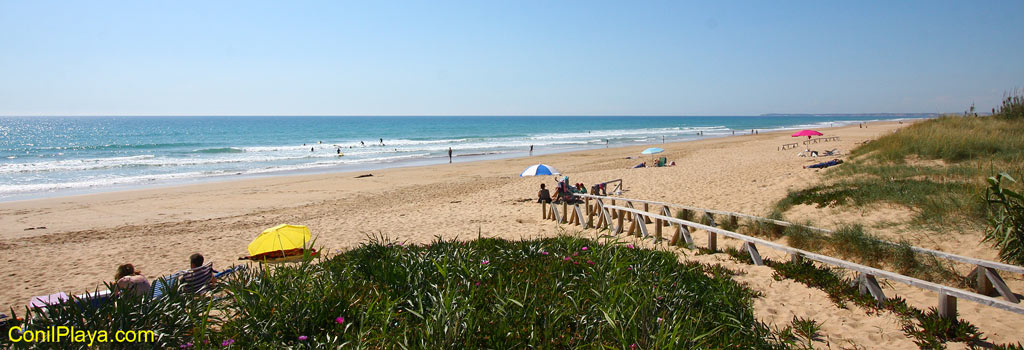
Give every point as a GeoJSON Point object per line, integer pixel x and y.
{"type": "Point", "coordinates": [46, 156]}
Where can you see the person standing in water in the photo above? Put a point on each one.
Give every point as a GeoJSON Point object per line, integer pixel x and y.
{"type": "Point", "coordinates": [382, 141]}
{"type": "Point", "coordinates": [449, 155]}
{"type": "Point", "coordinates": [531, 150]}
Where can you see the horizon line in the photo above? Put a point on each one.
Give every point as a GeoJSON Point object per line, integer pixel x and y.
{"type": "Point", "coordinates": [472, 115]}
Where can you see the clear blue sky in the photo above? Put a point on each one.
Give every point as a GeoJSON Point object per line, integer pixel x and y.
{"type": "Point", "coordinates": [506, 57]}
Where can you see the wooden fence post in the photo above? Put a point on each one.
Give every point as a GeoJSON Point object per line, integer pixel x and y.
{"type": "Point", "coordinates": [1000, 285]}
{"type": "Point", "coordinates": [543, 211]}
{"type": "Point", "coordinates": [868, 284]}
{"type": "Point", "coordinates": [751, 249]}
{"type": "Point", "coordinates": [796, 258]}
{"type": "Point", "coordinates": [641, 222]}
{"type": "Point", "coordinates": [712, 237]}
{"type": "Point", "coordinates": [947, 306]}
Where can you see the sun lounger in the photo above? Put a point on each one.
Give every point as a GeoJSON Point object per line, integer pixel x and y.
{"type": "Point", "coordinates": [94, 299]}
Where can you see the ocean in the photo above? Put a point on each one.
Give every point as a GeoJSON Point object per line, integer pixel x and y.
{"type": "Point", "coordinates": [54, 156]}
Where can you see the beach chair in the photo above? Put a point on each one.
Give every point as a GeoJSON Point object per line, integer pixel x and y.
{"type": "Point", "coordinates": [662, 162]}
{"type": "Point", "coordinates": [197, 279]}
{"type": "Point", "coordinates": [163, 285]}
{"type": "Point", "coordinates": [230, 271]}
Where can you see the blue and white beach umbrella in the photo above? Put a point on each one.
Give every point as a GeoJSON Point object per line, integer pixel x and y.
{"type": "Point", "coordinates": [652, 150]}
{"type": "Point", "coordinates": [539, 169]}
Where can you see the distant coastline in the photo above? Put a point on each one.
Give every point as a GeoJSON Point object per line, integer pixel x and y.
{"type": "Point", "coordinates": [907, 115]}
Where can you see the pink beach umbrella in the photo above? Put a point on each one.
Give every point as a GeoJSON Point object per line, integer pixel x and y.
{"type": "Point", "coordinates": [807, 133]}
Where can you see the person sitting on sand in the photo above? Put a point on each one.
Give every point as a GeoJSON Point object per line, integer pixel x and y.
{"type": "Point", "coordinates": [200, 276]}
{"type": "Point", "coordinates": [559, 192]}
{"type": "Point", "coordinates": [543, 196]}
{"type": "Point", "coordinates": [580, 188]}
{"type": "Point", "coordinates": [641, 165]}
{"type": "Point", "coordinates": [130, 280]}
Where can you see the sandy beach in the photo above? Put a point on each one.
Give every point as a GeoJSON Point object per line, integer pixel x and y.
{"type": "Point", "coordinates": [86, 237]}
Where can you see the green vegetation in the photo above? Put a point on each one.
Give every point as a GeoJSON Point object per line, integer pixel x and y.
{"type": "Point", "coordinates": [765, 228]}
{"type": "Point", "coordinates": [935, 167]}
{"type": "Point", "coordinates": [728, 222]}
{"type": "Point", "coordinates": [927, 328]}
{"type": "Point", "coordinates": [807, 329]}
{"type": "Point", "coordinates": [685, 214]}
{"type": "Point", "coordinates": [1006, 229]}
{"type": "Point", "coordinates": [558, 293]}
{"type": "Point", "coordinates": [852, 243]}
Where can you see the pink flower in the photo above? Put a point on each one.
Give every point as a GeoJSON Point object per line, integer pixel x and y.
{"type": "Point", "coordinates": [660, 320]}
{"type": "Point", "coordinates": [630, 268]}
{"type": "Point", "coordinates": [340, 319]}
{"type": "Point", "coordinates": [477, 284]}
{"type": "Point", "coordinates": [543, 253]}
{"type": "Point", "coordinates": [227, 342]}
{"type": "Point", "coordinates": [590, 262]}
{"type": "Point", "coordinates": [485, 262]}
{"type": "Point", "coordinates": [566, 258]}
{"type": "Point", "coordinates": [633, 346]}
{"type": "Point", "coordinates": [583, 249]}
{"type": "Point", "coordinates": [630, 246]}
{"type": "Point", "coordinates": [186, 346]}
{"type": "Point", "coordinates": [303, 338]}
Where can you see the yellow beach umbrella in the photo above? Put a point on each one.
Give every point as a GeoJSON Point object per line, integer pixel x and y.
{"type": "Point", "coordinates": [278, 238]}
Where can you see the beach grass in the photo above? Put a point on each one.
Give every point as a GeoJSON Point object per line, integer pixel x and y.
{"type": "Point", "coordinates": [564, 293]}
{"type": "Point", "coordinates": [938, 169]}
{"type": "Point", "coordinates": [935, 167]}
